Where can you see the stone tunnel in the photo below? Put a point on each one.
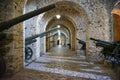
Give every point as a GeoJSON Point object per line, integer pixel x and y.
{"type": "Point", "coordinates": [58, 54]}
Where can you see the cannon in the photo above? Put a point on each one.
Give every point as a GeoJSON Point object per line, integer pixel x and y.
{"type": "Point", "coordinates": [83, 44]}
{"type": "Point", "coordinates": [28, 50]}
{"type": "Point", "coordinates": [28, 53]}
{"type": "Point", "coordinates": [8, 24]}
{"type": "Point", "coordinates": [52, 35]}
{"type": "Point", "coordinates": [100, 43]}
{"type": "Point", "coordinates": [110, 50]}
{"type": "Point", "coordinates": [41, 35]}
{"type": "Point", "coordinates": [32, 39]}
{"type": "Point", "coordinates": [107, 46]}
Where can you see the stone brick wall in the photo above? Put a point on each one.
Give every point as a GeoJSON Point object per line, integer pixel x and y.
{"type": "Point", "coordinates": [18, 45]}
{"type": "Point", "coordinates": [6, 47]}
{"type": "Point", "coordinates": [6, 10]}
{"type": "Point", "coordinates": [13, 43]}
{"type": "Point", "coordinates": [30, 25]}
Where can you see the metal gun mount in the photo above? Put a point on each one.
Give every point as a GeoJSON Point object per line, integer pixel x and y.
{"type": "Point", "coordinates": [110, 51]}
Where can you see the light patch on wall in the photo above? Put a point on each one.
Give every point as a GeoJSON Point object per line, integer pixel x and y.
{"type": "Point", "coordinates": [59, 33]}
{"type": "Point", "coordinates": [58, 26]}
{"type": "Point", "coordinates": [58, 16]}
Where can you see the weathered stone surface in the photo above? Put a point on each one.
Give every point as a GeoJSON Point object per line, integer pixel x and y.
{"type": "Point", "coordinates": [14, 37]}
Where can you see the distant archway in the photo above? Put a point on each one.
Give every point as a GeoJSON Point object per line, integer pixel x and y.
{"type": "Point", "coordinates": [68, 25]}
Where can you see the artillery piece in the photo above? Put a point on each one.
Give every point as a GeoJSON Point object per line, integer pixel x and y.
{"type": "Point", "coordinates": [32, 39]}
{"type": "Point", "coordinates": [110, 51]}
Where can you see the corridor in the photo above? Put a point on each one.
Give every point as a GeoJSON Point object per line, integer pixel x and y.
{"type": "Point", "coordinates": [46, 39]}
{"type": "Point", "coordinates": [60, 63]}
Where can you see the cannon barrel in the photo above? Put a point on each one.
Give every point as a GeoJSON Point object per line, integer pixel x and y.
{"type": "Point", "coordinates": [7, 24]}
{"type": "Point", "coordinates": [102, 42]}
{"type": "Point", "coordinates": [80, 41]}
{"type": "Point", "coordinates": [42, 34]}
{"type": "Point", "coordinates": [51, 35]}
{"type": "Point", "coordinates": [2, 36]}
{"type": "Point", "coordinates": [107, 47]}
{"type": "Point", "coordinates": [30, 41]}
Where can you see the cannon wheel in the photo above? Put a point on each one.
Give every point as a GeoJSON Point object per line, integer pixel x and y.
{"type": "Point", "coordinates": [28, 53]}
{"type": "Point", "coordinates": [2, 66]}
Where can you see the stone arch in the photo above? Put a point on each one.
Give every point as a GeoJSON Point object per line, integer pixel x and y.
{"type": "Point", "coordinates": [69, 26]}
{"type": "Point", "coordinates": [64, 33]}
{"type": "Point", "coordinates": [78, 8]}
{"type": "Point", "coordinates": [55, 40]}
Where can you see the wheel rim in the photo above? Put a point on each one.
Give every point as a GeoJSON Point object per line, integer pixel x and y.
{"type": "Point", "coordinates": [28, 53]}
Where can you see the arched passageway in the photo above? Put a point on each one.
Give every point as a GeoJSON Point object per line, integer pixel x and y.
{"type": "Point", "coordinates": [47, 20]}
{"type": "Point", "coordinates": [79, 19]}
{"type": "Point", "coordinates": [75, 20]}
{"type": "Point", "coordinates": [59, 37]}
{"type": "Point", "coordinates": [64, 23]}
{"type": "Point", "coordinates": [69, 20]}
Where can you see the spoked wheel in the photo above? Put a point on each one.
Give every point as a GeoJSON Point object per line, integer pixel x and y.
{"type": "Point", "coordinates": [2, 66]}
{"type": "Point", "coordinates": [28, 53]}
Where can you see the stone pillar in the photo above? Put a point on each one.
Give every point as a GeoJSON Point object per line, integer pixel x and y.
{"type": "Point", "coordinates": [18, 45]}
{"type": "Point", "coordinates": [12, 45]}
{"type": "Point", "coordinates": [6, 44]}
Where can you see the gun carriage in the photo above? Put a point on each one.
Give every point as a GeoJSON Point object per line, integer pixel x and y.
{"type": "Point", "coordinates": [110, 50]}
{"type": "Point", "coordinates": [32, 39]}
{"type": "Point", "coordinates": [83, 44]}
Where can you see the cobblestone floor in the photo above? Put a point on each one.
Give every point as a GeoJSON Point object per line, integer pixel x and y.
{"type": "Point", "coordinates": [63, 64]}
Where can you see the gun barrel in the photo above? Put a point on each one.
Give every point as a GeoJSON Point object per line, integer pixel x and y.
{"type": "Point", "coordinates": [52, 35]}
{"type": "Point", "coordinates": [93, 39]}
{"type": "Point", "coordinates": [7, 24]}
{"type": "Point", "coordinates": [30, 41]}
{"type": "Point", "coordinates": [80, 41]}
{"type": "Point", "coordinates": [105, 42]}
{"type": "Point", "coordinates": [41, 35]}
{"type": "Point", "coordinates": [2, 36]}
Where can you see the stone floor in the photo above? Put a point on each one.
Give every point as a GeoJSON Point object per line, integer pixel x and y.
{"type": "Point", "coordinates": [60, 63]}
